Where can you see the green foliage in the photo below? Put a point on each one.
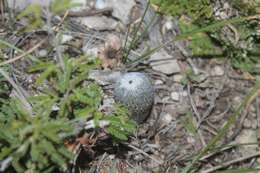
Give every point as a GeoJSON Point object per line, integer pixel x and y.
{"type": "Point", "coordinates": [63, 94]}
{"type": "Point", "coordinates": [195, 9]}
{"type": "Point", "coordinates": [189, 76]}
{"type": "Point", "coordinates": [34, 143]}
{"type": "Point", "coordinates": [249, 7]}
{"type": "Point", "coordinates": [5, 87]}
{"type": "Point", "coordinates": [200, 44]}
{"type": "Point", "coordinates": [121, 126]}
{"type": "Point", "coordinates": [195, 14]}
{"type": "Point", "coordinates": [188, 123]}
{"type": "Point", "coordinates": [33, 13]}
{"type": "Point", "coordinates": [244, 53]}
{"type": "Point", "coordinates": [34, 139]}
{"type": "Point", "coordinates": [65, 88]}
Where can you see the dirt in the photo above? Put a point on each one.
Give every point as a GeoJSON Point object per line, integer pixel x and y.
{"type": "Point", "coordinates": [163, 143]}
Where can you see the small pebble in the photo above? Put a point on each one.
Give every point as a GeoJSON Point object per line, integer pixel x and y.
{"type": "Point", "coordinates": [247, 123]}
{"type": "Point", "coordinates": [177, 78]}
{"type": "Point", "coordinates": [65, 38]}
{"type": "Point", "coordinates": [217, 71]}
{"type": "Point", "coordinates": [254, 124]}
{"type": "Point", "coordinates": [158, 82]}
{"type": "Point", "coordinates": [184, 93]}
{"type": "Point", "coordinates": [42, 53]}
{"type": "Point", "coordinates": [247, 136]}
{"type": "Point", "coordinates": [166, 118]}
{"type": "Point", "coordinates": [175, 96]}
{"type": "Point", "coordinates": [166, 99]}
{"type": "Point", "coordinates": [91, 51]}
{"type": "Point", "coordinates": [258, 161]}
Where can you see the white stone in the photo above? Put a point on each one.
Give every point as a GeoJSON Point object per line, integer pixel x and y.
{"type": "Point", "coordinates": [90, 51]}
{"type": "Point", "coordinates": [42, 53]}
{"type": "Point", "coordinates": [99, 22]}
{"type": "Point", "coordinates": [163, 62]}
{"type": "Point", "coordinates": [247, 123]}
{"type": "Point", "coordinates": [184, 93]}
{"type": "Point", "coordinates": [217, 71]}
{"type": "Point", "coordinates": [66, 38]}
{"type": "Point", "coordinates": [166, 118]}
{"type": "Point", "coordinates": [175, 96]}
{"type": "Point", "coordinates": [247, 136]}
{"type": "Point", "coordinates": [158, 82]}
{"type": "Point", "coordinates": [177, 78]}
{"type": "Point", "coordinates": [121, 8]}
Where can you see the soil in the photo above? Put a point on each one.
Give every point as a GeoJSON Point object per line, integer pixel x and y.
{"type": "Point", "coordinates": [185, 116]}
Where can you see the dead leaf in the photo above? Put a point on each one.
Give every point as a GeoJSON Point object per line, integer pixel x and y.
{"type": "Point", "coordinates": [111, 53]}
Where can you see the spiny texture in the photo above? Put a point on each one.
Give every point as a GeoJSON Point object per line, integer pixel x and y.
{"type": "Point", "coordinates": [135, 91]}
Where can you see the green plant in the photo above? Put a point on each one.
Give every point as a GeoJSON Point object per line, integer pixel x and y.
{"type": "Point", "coordinates": [33, 140]}
{"type": "Point", "coordinates": [195, 9]}
{"type": "Point", "coordinates": [121, 125]}
{"type": "Point", "coordinates": [65, 89]}
{"type": "Point", "coordinates": [33, 143]}
{"type": "Point", "coordinates": [196, 15]}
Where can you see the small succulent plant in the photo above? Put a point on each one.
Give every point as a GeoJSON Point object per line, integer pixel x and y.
{"type": "Point", "coordinates": [135, 91]}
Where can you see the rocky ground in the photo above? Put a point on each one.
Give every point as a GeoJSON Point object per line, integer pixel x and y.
{"type": "Point", "coordinates": [189, 109]}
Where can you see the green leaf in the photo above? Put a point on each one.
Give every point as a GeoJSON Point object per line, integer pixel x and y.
{"type": "Point", "coordinates": [40, 66]}
{"type": "Point", "coordinates": [97, 117]}
{"type": "Point", "coordinates": [118, 134]}
{"type": "Point", "coordinates": [187, 122]}
{"type": "Point", "coordinates": [33, 12]}
{"type": "Point", "coordinates": [50, 69]}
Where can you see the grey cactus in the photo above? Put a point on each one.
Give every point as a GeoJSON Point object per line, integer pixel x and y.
{"type": "Point", "coordinates": [135, 91]}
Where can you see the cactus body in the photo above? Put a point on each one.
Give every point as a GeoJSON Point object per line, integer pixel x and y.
{"type": "Point", "coordinates": [135, 91]}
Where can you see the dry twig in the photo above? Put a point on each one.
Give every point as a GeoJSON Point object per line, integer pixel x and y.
{"type": "Point", "coordinates": [226, 164]}
{"type": "Point", "coordinates": [24, 54]}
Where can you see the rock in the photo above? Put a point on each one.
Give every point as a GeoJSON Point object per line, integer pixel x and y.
{"type": "Point", "coordinates": [166, 99]}
{"type": "Point", "coordinates": [107, 105]}
{"type": "Point", "coordinates": [104, 77]}
{"type": "Point", "coordinates": [217, 71]}
{"type": "Point", "coordinates": [121, 8]}
{"type": "Point", "coordinates": [65, 38]}
{"type": "Point", "coordinates": [168, 24]}
{"type": "Point", "coordinates": [163, 62]}
{"type": "Point", "coordinates": [158, 82]}
{"type": "Point", "coordinates": [247, 136]}
{"type": "Point", "coordinates": [247, 123]}
{"type": "Point", "coordinates": [165, 118]}
{"type": "Point", "coordinates": [42, 53]}
{"type": "Point", "coordinates": [254, 124]}
{"type": "Point", "coordinates": [177, 78]}
{"type": "Point", "coordinates": [93, 51]}
{"type": "Point", "coordinates": [100, 23]}
{"type": "Point", "coordinates": [152, 20]}
{"type": "Point", "coordinates": [175, 96]}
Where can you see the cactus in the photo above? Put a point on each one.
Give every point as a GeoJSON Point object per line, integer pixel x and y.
{"type": "Point", "coordinates": [135, 91]}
